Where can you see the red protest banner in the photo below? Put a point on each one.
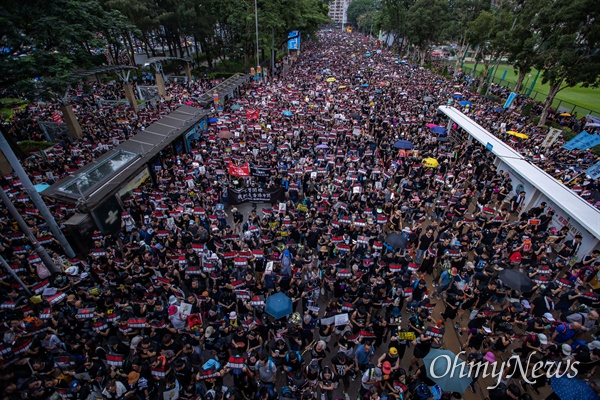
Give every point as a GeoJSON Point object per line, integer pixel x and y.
{"type": "Point", "coordinates": [252, 114]}
{"type": "Point", "coordinates": [244, 170]}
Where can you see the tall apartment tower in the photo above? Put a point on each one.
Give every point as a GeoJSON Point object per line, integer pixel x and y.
{"type": "Point", "coordinates": [337, 10]}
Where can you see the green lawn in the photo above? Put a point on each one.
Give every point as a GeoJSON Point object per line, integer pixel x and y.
{"type": "Point", "coordinates": [578, 99]}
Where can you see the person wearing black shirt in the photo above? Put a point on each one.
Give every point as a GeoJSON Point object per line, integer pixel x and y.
{"type": "Point", "coordinates": [544, 221]}
{"type": "Point", "coordinates": [537, 211]}
{"type": "Point", "coordinates": [312, 237]}
{"type": "Point", "coordinates": [475, 339]}
{"type": "Point", "coordinates": [517, 201]}
{"type": "Point", "coordinates": [423, 244]}
{"type": "Point", "coordinates": [486, 292]}
{"type": "Point", "coordinates": [417, 294]}
{"type": "Point", "coordinates": [488, 236]}
{"type": "Point", "coordinates": [421, 375]}
{"type": "Point", "coordinates": [343, 368]}
{"type": "Point", "coordinates": [191, 256]}
{"type": "Point", "coordinates": [483, 277]}
{"type": "Point", "coordinates": [542, 305]}
{"type": "Point", "coordinates": [422, 348]}
{"type": "Point", "coordinates": [79, 391]}
{"type": "Point", "coordinates": [570, 248]}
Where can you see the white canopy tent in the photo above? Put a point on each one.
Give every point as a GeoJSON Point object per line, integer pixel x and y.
{"type": "Point", "coordinates": [577, 212]}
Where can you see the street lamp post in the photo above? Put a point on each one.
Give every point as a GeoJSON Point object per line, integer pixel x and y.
{"type": "Point", "coordinates": [343, 14]}
{"type": "Point", "coordinates": [256, 23]}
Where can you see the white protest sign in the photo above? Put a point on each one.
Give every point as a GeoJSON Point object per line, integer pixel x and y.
{"type": "Point", "coordinates": [341, 319]}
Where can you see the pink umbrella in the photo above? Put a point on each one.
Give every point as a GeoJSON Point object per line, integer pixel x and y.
{"type": "Point", "coordinates": [225, 134]}
{"type": "Point", "coordinates": [431, 125]}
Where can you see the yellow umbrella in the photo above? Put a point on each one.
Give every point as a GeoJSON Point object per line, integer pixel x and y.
{"type": "Point", "coordinates": [342, 87]}
{"type": "Point", "coordinates": [430, 162]}
{"type": "Point", "coordinates": [330, 79]}
{"type": "Point", "coordinates": [565, 115]}
{"type": "Point", "coordinates": [518, 134]}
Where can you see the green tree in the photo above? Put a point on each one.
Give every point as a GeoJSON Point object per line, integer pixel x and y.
{"type": "Point", "coordinates": [368, 22]}
{"type": "Point", "coordinates": [424, 19]}
{"type": "Point", "coordinates": [461, 13]}
{"type": "Point", "coordinates": [358, 8]}
{"type": "Point", "coordinates": [393, 20]}
{"type": "Point", "coordinates": [44, 41]}
{"type": "Point", "coordinates": [567, 46]}
{"type": "Point", "coordinates": [488, 33]}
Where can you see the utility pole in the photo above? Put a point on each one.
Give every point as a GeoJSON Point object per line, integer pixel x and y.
{"type": "Point", "coordinates": [273, 50]}
{"type": "Point", "coordinates": [35, 196]}
{"type": "Point", "coordinates": [41, 251]}
{"type": "Point", "coordinates": [256, 23]}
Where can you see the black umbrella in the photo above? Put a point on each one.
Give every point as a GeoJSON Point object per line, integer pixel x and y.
{"type": "Point", "coordinates": [516, 280]}
{"type": "Point", "coordinates": [396, 240]}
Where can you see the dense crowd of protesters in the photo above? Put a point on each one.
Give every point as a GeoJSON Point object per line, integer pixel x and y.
{"type": "Point", "coordinates": [174, 305]}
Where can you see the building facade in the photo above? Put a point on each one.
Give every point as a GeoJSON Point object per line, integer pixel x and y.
{"type": "Point", "coordinates": [337, 10]}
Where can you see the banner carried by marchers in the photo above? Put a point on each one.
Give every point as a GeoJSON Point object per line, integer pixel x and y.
{"type": "Point", "coordinates": [583, 141]}
{"type": "Point", "coordinates": [551, 137]}
{"type": "Point", "coordinates": [258, 171]}
{"type": "Point", "coordinates": [255, 195]}
{"type": "Point", "coordinates": [234, 170]}
{"type": "Point", "coordinates": [252, 114]}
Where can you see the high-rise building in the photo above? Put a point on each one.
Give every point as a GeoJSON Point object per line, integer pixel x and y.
{"type": "Point", "coordinates": [338, 9]}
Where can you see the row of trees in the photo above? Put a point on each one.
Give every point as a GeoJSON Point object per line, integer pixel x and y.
{"type": "Point", "coordinates": [41, 42]}
{"type": "Point", "coordinates": [559, 38]}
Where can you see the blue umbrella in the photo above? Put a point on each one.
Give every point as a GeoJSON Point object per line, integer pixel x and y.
{"type": "Point", "coordinates": [458, 96]}
{"type": "Point", "coordinates": [213, 120]}
{"type": "Point", "coordinates": [235, 107]}
{"type": "Point", "coordinates": [403, 144]}
{"type": "Point", "coordinates": [278, 305]}
{"type": "Point", "coordinates": [465, 103]}
{"type": "Point", "coordinates": [287, 113]}
{"type": "Point", "coordinates": [498, 109]}
{"type": "Point", "coordinates": [439, 130]}
{"type": "Point", "coordinates": [572, 389]}
{"type": "Point", "coordinates": [439, 365]}
{"type": "Point", "coordinates": [377, 90]}
{"type": "Point", "coordinates": [365, 85]}
{"type": "Point", "coordinates": [40, 187]}
{"type": "Point", "coordinates": [368, 55]}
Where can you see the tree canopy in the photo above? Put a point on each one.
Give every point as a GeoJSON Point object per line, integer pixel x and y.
{"type": "Point", "coordinates": [42, 42]}
{"type": "Point", "coordinates": [560, 39]}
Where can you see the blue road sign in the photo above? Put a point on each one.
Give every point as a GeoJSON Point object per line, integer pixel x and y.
{"type": "Point", "coordinates": [294, 44]}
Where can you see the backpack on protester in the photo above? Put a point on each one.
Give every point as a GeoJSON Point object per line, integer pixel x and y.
{"type": "Point", "coordinates": [420, 391]}
{"type": "Point", "coordinates": [582, 311]}
{"type": "Point", "coordinates": [566, 335]}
